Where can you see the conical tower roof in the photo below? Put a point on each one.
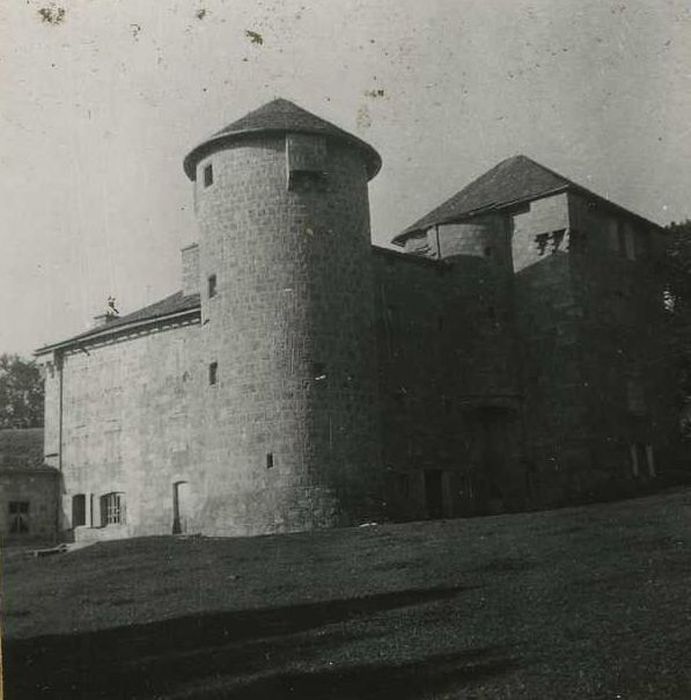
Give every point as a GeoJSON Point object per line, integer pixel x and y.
{"type": "Point", "coordinates": [279, 116]}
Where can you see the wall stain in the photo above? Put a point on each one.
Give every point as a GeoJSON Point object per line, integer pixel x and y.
{"type": "Point", "coordinates": [378, 92]}
{"type": "Point", "coordinates": [363, 119]}
{"type": "Point", "coordinates": [52, 14]}
{"type": "Point", "coordinates": [201, 13]}
{"type": "Point", "coordinates": [254, 37]}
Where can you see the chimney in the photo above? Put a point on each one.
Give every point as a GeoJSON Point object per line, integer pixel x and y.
{"type": "Point", "coordinates": [190, 269]}
{"type": "Point", "coordinates": [111, 313]}
{"type": "Point", "coordinates": [103, 319]}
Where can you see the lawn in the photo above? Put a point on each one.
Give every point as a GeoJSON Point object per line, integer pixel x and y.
{"type": "Point", "coordinates": [589, 602]}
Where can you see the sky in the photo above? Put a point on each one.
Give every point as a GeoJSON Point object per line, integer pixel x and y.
{"type": "Point", "coordinates": [100, 100]}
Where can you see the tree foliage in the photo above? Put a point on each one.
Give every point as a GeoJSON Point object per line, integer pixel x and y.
{"type": "Point", "coordinates": [678, 277]}
{"type": "Point", "coordinates": [677, 300]}
{"type": "Point", "coordinates": [21, 393]}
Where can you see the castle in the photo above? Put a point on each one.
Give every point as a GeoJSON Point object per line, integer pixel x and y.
{"type": "Point", "coordinates": [506, 357]}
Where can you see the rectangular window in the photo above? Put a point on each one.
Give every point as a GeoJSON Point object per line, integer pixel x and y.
{"type": "Point", "coordinates": [650, 459]}
{"type": "Point", "coordinates": [625, 239]}
{"type": "Point", "coordinates": [542, 239]}
{"type": "Point", "coordinates": [629, 243]}
{"type": "Point", "coordinates": [213, 372]}
{"type": "Point", "coordinates": [635, 397]}
{"type": "Point", "coordinates": [78, 510]}
{"type": "Point", "coordinates": [269, 460]}
{"type": "Point", "coordinates": [19, 517]}
{"type": "Point", "coordinates": [208, 175]}
{"type": "Point", "coordinates": [306, 161]}
{"type": "Point", "coordinates": [635, 468]}
{"type": "Point", "coordinates": [211, 286]}
{"type": "Point", "coordinates": [112, 509]}
{"type": "Point", "coordinates": [404, 485]}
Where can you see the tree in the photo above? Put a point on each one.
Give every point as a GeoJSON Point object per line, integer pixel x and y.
{"type": "Point", "coordinates": [677, 301]}
{"type": "Point", "coordinates": [21, 393]}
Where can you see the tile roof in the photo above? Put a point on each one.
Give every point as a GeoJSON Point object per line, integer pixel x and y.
{"type": "Point", "coordinates": [173, 304]}
{"type": "Point", "coordinates": [280, 116]}
{"type": "Point", "coordinates": [515, 179]}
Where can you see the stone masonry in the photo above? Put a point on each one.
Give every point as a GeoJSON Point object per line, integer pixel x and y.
{"type": "Point", "coordinates": [504, 359]}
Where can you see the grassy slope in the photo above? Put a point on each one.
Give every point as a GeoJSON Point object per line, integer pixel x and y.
{"type": "Point", "coordinates": [583, 602]}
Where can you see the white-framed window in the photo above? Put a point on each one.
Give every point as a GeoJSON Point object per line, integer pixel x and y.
{"type": "Point", "coordinates": [112, 509]}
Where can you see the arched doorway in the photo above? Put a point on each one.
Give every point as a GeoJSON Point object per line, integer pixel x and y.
{"type": "Point", "coordinates": [180, 507]}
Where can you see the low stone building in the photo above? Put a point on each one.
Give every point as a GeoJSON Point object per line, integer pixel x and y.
{"type": "Point", "coordinates": [506, 358]}
{"type": "Point", "coordinates": [28, 489]}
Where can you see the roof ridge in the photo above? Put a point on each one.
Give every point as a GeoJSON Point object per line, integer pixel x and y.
{"type": "Point", "coordinates": [513, 179]}
{"type": "Point", "coordinates": [175, 303]}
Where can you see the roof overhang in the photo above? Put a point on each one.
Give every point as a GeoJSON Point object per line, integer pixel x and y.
{"type": "Point", "coordinates": [189, 164]}
{"type": "Point", "coordinates": [121, 328]}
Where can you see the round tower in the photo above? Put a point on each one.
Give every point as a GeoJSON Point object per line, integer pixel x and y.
{"type": "Point", "coordinates": [289, 438]}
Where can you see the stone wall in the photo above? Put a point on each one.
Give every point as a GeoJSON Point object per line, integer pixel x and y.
{"type": "Point", "coordinates": [629, 384]}
{"type": "Point", "coordinates": [588, 313]}
{"type": "Point", "coordinates": [290, 424]}
{"type": "Point", "coordinates": [505, 362]}
{"type": "Point", "coordinates": [190, 269]}
{"type": "Point", "coordinates": [127, 411]}
{"type": "Point", "coordinates": [446, 379]}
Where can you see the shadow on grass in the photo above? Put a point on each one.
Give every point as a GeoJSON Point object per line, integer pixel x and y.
{"type": "Point", "coordinates": [153, 659]}
{"type": "Point", "coordinates": [426, 677]}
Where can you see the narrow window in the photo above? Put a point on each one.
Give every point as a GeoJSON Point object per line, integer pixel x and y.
{"type": "Point", "coordinates": [112, 509]}
{"type": "Point", "coordinates": [19, 517]}
{"type": "Point", "coordinates": [635, 397]}
{"type": "Point", "coordinates": [211, 286]}
{"type": "Point", "coordinates": [629, 243]}
{"type": "Point", "coordinates": [621, 239]}
{"type": "Point", "coordinates": [208, 175]}
{"type": "Point", "coordinates": [392, 322]}
{"type": "Point", "coordinates": [634, 460]}
{"type": "Point", "coordinates": [78, 510]}
{"type": "Point", "coordinates": [213, 372]}
{"type": "Point", "coordinates": [650, 459]}
{"type": "Point", "coordinates": [404, 485]}
{"type": "Point", "coordinates": [269, 460]}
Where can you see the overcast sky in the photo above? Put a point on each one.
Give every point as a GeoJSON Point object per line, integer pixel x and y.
{"type": "Point", "coordinates": [100, 105]}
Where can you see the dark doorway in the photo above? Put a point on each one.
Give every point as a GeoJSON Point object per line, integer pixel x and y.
{"type": "Point", "coordinates": [78, 510]}
{"type": "Point", "coordinates": [492, 429]}
{"type": "Point", "coordinates": [433, 493]}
